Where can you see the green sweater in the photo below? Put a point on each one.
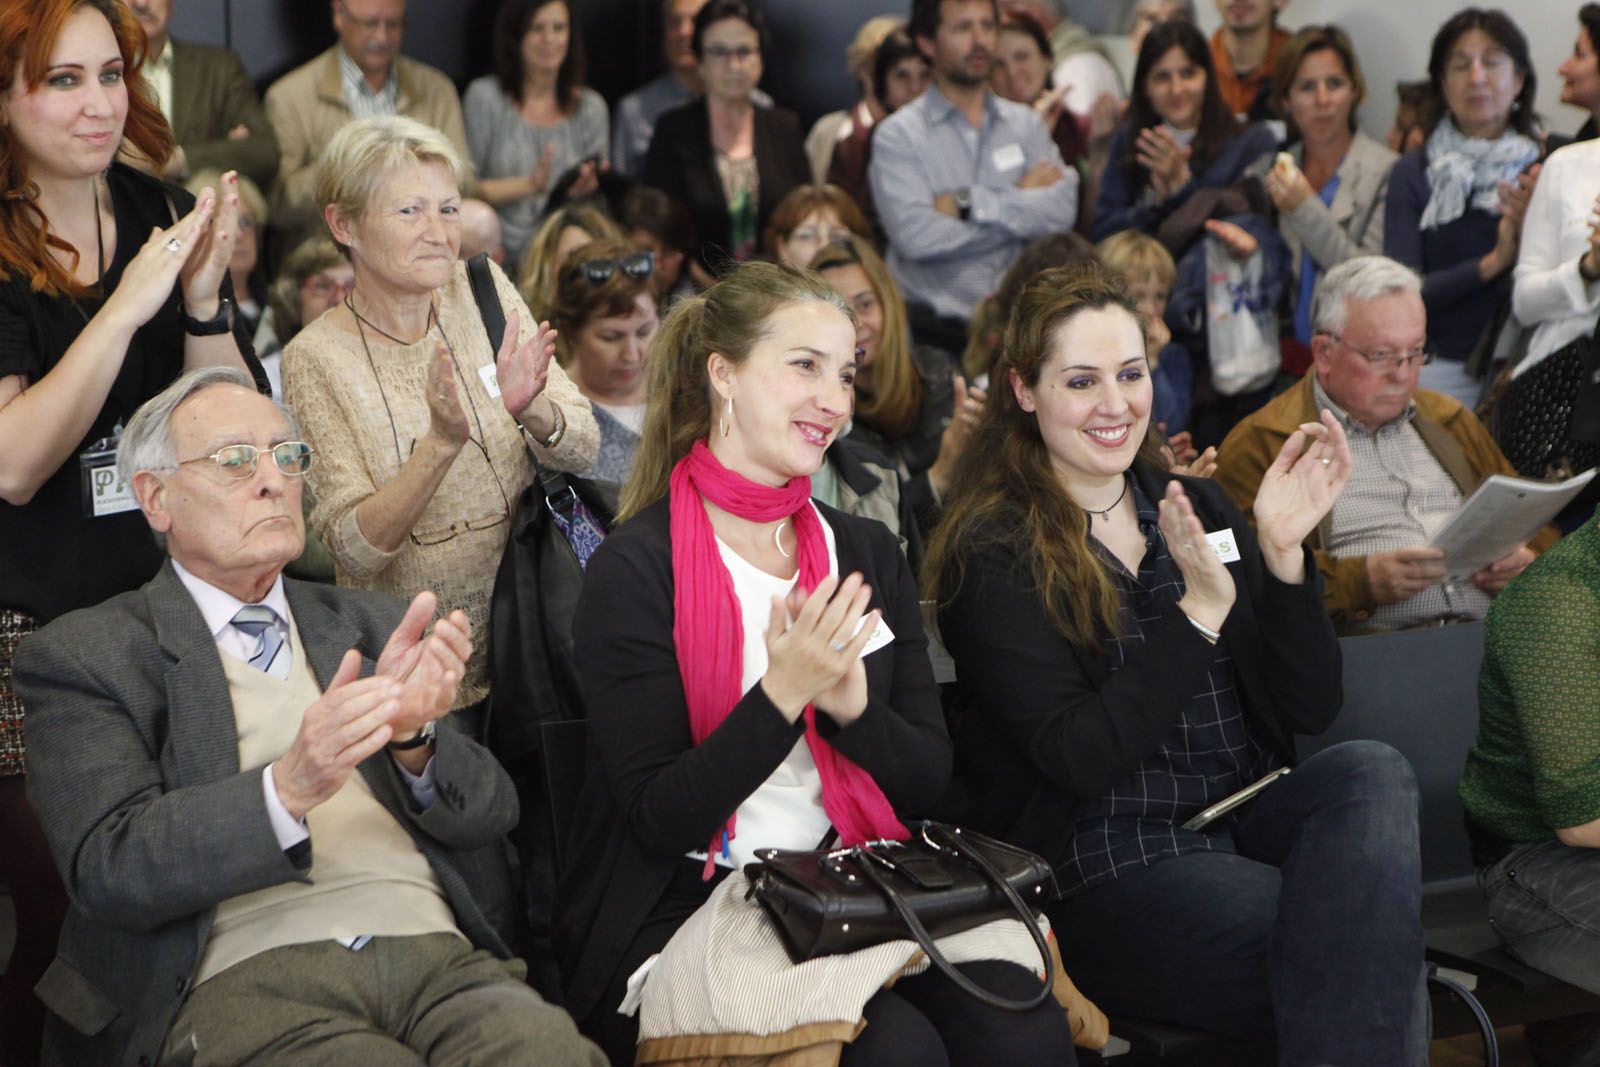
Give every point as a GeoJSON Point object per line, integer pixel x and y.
{"type": "Point", "coordinates": [1535, 767]}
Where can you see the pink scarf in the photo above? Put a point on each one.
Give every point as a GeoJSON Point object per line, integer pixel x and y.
{"type": "Point", "coordinates": [709, 632]}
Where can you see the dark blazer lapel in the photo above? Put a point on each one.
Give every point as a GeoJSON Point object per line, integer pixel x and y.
{"type": "Point", "coordinates": [202, 738]}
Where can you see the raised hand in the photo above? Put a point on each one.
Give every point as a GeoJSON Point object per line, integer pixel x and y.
{"type": "Point", "coordinates": [811, 659]}
{"type": "Point", "coordinates": [429, 667]}
{"type": "Point", "coordinates": [148, 279]}
{"type": "Point", "coordinates": [1167, 161]}
{"type": "Point", "coordinates": [523, 364]}
{"type": "Point", "coordinates": [1050, 105]}
{"type": "Point", "coordinates": [447, 416]}
{"type": "Point", "coordinates": [1240, 242]}
{"type": "Point", "coordinates": [1203, 465]}
{"type": "Point", "coordinates": [210, 250]}
{"type": "Point", "coordinates": [965, 414]}
{"type": "Point", "coordinates": [1297, 491]}
{"type": "Point", "coordinates": [348, 723]}
{"type": "Point", "coordinates": [1209, 591]}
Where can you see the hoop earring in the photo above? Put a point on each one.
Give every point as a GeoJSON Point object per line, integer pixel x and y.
{"type": "Point", "coordinates": [727, 415]}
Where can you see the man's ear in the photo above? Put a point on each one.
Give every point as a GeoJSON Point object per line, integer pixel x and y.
{"type": "Point", "coordinates": [151, 493]}
{"type": "Point", "coordinates": [1023, 394]}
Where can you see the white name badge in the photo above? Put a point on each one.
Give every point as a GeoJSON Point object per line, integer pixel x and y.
{"type": "Point", "coordinates": [104, 493]}
{"type": "Point", "coordinates": [491, 379]}
{"type": "Point", "coordinates": [1008, 157]}
{"type": "Point", "coordinates": [1223, 544]}
{"type": "Point", "coordinates": [881, 636]}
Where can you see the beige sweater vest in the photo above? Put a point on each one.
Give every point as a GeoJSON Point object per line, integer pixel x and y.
{"type": "Point", "coordinates": [367, 875]}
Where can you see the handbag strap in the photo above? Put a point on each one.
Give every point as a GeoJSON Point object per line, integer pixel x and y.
{"type": "Point", "coordinates": [949, 842]}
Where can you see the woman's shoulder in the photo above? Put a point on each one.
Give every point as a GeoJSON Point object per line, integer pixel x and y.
{"type": "Point", "coordinates": [1369, 153]}
{"type": "Point", "coordinates": [484, 93]}
{"type": "Point", "coordinates": [589, 102]}
{"type": "Point", "coordinates": [1580, 156]}
{"type": "Point", "coordinates": [317, 343]}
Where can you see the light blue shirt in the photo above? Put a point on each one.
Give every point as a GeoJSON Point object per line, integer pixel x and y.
{"type": "Point", "coordinates": [929, 148]}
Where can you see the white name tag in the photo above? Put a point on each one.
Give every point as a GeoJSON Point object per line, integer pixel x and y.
{"type": "Point", "coordinates": [491, 379]}
{"type": "Point", "coordinates": [881, 635]}
{"type": "Point", "coordinates": [111, 495]}
{"type": "Point", "coordinates": [1224, 545]}
{"type": "Point", "coordinates": [1008, 157]}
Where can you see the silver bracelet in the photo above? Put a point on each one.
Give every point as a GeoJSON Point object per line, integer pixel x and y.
{"type": "Point", "coordinates": [1205, 631]}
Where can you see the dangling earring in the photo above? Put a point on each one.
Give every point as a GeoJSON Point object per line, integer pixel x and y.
{"type": "Point", "coordinates": [727, 415]}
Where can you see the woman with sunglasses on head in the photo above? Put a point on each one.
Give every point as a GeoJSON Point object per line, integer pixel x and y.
{"type": "Point", "coordinates": [114, 283]}
{"type": "Point", "coordinates": [423, 431]}
{"type": "Point", "coordinates": [1130, 651]}
{"type": "Point", "coordinates": [605, 315]}
{"type": "Point", "coordinates": [735, 702]}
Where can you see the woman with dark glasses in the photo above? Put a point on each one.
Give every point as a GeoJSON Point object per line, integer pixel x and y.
{"type": "Point", "coordinates": [605, 316]}
{"type": "Point", "coordinates": [423, 431]}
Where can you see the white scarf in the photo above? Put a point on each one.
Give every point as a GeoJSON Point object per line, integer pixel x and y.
{"type": "Point", "coordinates": [1466, 171]}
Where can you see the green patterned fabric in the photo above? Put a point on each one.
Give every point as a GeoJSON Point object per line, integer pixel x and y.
{"type": "Point", "coordinates": [1535, 766]}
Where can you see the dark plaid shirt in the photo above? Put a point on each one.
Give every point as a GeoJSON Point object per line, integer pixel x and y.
{"type": "Point", "coordinates": [1207, 755]}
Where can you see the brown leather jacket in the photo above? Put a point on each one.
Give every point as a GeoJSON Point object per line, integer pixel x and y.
{"type": "Point", "coordinates": [1452, 433]}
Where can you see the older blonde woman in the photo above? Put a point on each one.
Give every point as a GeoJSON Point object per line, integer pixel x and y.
{"type": "Point", "coordinates": [422, 431]}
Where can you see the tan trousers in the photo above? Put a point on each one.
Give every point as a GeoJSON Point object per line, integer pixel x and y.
{"type": "Point", "coordinates": [398, 1002]}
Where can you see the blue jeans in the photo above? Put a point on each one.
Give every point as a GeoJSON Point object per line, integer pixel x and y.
{"type": "Point", "coordinates": [1544, 902]}
{"type": "Point", "coordinates": [1311, 931]}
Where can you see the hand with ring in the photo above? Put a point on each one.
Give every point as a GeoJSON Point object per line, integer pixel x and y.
{"type": "Point", "coordinates": [1297, 491]}
{"type": "Point", "coordinates": [816, 658]}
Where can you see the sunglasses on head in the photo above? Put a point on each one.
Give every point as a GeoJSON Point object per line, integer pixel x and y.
{"type": "Point", "coordinates": [636, 265]}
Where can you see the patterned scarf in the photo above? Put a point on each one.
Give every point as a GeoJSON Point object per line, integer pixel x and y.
{"type": "Point", "coordinates": [1466, 171]}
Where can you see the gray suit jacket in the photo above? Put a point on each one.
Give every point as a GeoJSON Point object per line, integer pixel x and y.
{"type": "Point", "coordinates": [133, 767]}
{"type": "Point", "coordinates": [211, 94]}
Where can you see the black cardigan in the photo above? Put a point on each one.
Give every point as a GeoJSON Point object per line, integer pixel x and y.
{"type": "Point", "coordinates": [651, 795]}
{"type": "Point", "coordinates": [1044, 725]}
{"type": "Point", "coordinates": [682, 163]}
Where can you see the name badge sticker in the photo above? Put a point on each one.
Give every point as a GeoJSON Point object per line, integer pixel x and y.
{"type": "Point", "coordinates": [1223, 544]}
{"type": "Point", "coordinates": [491, 379]}
{"type": "Point", "coordinates": [104, 493]}
{"type": "Point", "coordinates": [1008, 157]}
{"type": "Point", "coordinates": [881, 636]}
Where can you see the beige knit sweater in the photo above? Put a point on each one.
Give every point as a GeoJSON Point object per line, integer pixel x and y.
{"type": "Point", "coordinates": [364, 417]}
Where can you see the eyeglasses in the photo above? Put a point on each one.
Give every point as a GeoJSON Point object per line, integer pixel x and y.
{"type": "Point", "coordinates": [818, 234]}
{"type": "Point", "coordinates": [239, 461]}
{"type": "Point", "coordinates": [723, 54]}
{"type": "Point", "coordinates": [1386, 361]}
{"type": "Point", "coordinates": [455, 529]}
{"type": "Point", "coordinates": [374, 23]}
{"type": "Point", "coordinates": [636, 265]}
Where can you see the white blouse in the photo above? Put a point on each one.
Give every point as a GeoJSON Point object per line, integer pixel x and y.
{"type": "Point", "coordinates": [1548, 293]}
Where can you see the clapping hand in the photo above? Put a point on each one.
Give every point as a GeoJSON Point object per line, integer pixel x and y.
{"type": "Point", "coordinates": [1297, 491]}
{"type": "Point", "coordinates": [428, 666]}
{"type": "Point", "coordinates": [965, 414]}
{"type": "Point", "coordinates": [523, 364]}
{"type": "Point", "coordinates": [1209, 591]}
{"type": "Point", "coordinates": [210, 249]}
{"type": "Point", "coordinates": [816, 659]}
{"type": "Point", "coordinates": [447, 417]}
{"type": "Point", "coordinates": [148, 279]}
{"type": "Point", "coordinates": [1167, 161]}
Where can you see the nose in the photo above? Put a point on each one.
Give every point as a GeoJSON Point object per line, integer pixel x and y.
{"type": "Point", "coordinates": [268, 480]}
{"type": "Point", "coordinates": [1111, 400]}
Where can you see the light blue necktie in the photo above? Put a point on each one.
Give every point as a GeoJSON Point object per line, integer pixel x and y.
{"type": "Point", "coordinates": [260, 623]}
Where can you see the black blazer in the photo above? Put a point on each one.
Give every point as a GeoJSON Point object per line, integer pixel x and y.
{"type": "Point", "coordinates": [682, 164]}
{"type": "Point", "coordinates": [1043, 724]}
{"type": "Point", "coordinates": [651, 794]}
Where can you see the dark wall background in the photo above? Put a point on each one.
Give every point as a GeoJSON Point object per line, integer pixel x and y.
{"type": "Point", "coordinates": [805, 70]}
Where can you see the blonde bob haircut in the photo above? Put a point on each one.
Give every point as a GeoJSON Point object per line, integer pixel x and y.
{"type": "Point", "coordinates": [365, 152]}
{"type": "Point", "coordinates": [539, 269]}
{"type": "Point", "coordinates": [889, 390]}
{"type": "Point", "coordinates": [729, 319]}
{"type": "Point", "coordinates": [1136, 256]}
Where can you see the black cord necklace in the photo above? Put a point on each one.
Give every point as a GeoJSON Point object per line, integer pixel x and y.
{"type": "Point", "coordinates": [364, 321]}
{"type": "Point", "coordinates": [1105, 513]}
{"type": "Point", "coordinates": [99, 260]}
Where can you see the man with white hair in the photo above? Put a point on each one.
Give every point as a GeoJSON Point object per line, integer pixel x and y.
{"type": "Point", "coordinates": [1417, 456]}
{"type": "Point", "coordinates": [277, 846]}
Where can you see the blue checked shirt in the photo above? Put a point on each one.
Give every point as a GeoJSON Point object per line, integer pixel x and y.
{"type": "Point", "coordinates": [928, 148]}
{"type": "Point", "coordinates": [1207, 755]}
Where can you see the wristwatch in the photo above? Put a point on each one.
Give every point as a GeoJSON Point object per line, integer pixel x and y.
{"type": "Point", "coordinates": [424, 737]}
{"type": "Point", "coordinates": [964, 203]}
{"type": "Point", "coordinates": [221, 323]}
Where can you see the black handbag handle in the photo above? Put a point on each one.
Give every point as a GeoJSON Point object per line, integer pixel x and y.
{"type": "Point", "coordinates": [948, 842]}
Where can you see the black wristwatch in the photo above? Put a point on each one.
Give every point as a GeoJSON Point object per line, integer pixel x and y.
{"type": "Point", "coordinates": [221, 323]}
{"type": "Point", "coordinates": [964, 203]}
{"type": "Point", "coordinates": [424, 737]}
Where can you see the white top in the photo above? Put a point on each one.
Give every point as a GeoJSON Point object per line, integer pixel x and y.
{"type": "Point", "coordinates": [1089, 74]}
{"type": "Point", "coordinates": [1548, 293]}
{"type": "Point", "coordinates": [786, 810]}
{"type": "Point", "coordinates": [630, 415]}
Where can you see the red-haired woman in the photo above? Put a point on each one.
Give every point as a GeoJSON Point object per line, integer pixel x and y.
{"type": "Point", "coordinates": [111, 285]}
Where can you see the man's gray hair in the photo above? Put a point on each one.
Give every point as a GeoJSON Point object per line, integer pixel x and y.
{"type": "Point", "coordinates": [1362, 278]}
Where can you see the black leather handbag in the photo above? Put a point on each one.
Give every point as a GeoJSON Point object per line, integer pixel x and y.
{"type": "Point", "coordinates": [941, 882]}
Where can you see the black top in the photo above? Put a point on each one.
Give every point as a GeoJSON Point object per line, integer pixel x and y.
{"type": "Point", "coordinates": [1045, 728]}
{"type": "Point", "coordinates": [918, 448]}
{"type": "Point", "coordinates": [651, 794]}
{"type": "Point", "coordinates": [53, 557]}
{"type": "Point", "coordinates": [682, 163]}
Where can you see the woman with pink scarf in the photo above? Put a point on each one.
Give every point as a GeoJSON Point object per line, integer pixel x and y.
{"type": "Point", "coordinates": [756, 677]}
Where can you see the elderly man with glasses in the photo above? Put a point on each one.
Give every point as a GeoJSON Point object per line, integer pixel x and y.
{"type": "Point", "coordinates": [362, 75]}
{"type": "Point", "coordinates": [1417, 456]}
{"type": "Point", "coordinates": [277, 846]}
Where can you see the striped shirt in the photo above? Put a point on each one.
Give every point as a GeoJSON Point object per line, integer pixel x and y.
{"type": "Point", "coordinates": [1207, 755]}
{"type": "Point", "coordinates": [363, 100]}
{"type": "Point", "coordinates": [1399, 495]}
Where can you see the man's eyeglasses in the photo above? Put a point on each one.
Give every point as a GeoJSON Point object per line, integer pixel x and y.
{"type": "Point", "coordinates": [636, 265]}
{"type": "Point", "coordinates": [373, 23]}
{"type": "Point", "coordinates": [1385, 360]}
{"type": "Point", "coordinates": [239, 461]}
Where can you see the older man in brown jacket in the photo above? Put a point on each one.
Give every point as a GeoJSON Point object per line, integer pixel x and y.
{"type": "Point", "coordinates": [1418, 455]}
